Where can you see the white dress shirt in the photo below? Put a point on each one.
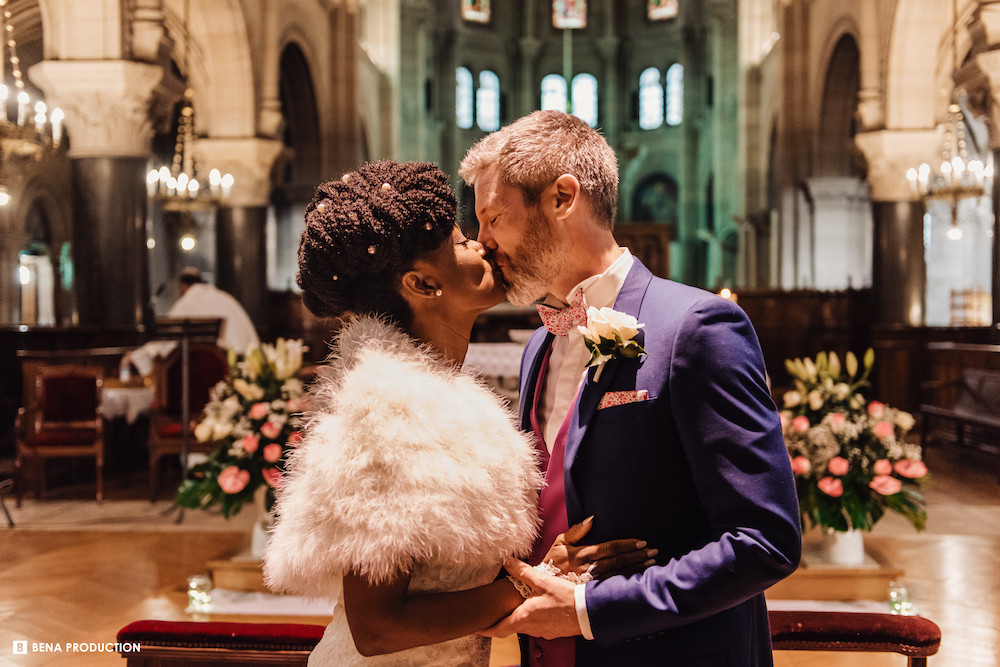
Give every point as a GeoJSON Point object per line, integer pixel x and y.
{"type": "Point", "coordinates": [567, 366]}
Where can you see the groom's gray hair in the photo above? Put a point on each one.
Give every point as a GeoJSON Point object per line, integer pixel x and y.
{"type": "Point", "coordinates": [535, 150]}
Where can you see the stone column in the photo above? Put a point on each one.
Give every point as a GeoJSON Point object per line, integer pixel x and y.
{"type": "Point", "coordinates": [240, 224]}
{"type": "Point", "coordinates": [989, 63]}
{"type": "Point", "coordinates": [900, 273]}
{"type": "Point", "coordinates": [107, 105]}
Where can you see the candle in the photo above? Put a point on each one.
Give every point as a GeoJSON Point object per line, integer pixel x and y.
{"type": "Point", "coordinates": [40, 110]}
{"type": "Point", "coordinates": [227, 185]}
{"type": "Point", "coordinates": [22, 107]}
{"type": "Point", "coordinates": [56, 118]}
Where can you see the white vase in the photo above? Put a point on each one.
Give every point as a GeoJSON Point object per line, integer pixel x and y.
{"type": "Point", "coordinates": [262, 523]}
{"type": "Point", "coordinates": [843, 547]}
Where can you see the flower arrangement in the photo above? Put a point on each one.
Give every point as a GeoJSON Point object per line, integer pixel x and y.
{"type": "Point", "coordinates": [849, 455]}
{"type": "Point", "coordinates": [255, 416]}
{"type": "Point", "coordinates": [608, 335]}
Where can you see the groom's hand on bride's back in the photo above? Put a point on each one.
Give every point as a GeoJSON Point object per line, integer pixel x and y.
{"type": "Point", "coordinates": [600, 560]}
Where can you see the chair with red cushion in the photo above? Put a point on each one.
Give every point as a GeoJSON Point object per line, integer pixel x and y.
{"type": "Point", "coordinates": [64, 421]}
{"type": "Point", "coordinates": [208, 366]}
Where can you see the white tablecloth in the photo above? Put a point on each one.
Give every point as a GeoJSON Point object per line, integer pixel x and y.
{"type": "Point", "coordinates": [499, 360]}
{"type": "Point", "coordinates": [127, 402]}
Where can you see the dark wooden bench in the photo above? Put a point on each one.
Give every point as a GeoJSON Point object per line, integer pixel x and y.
{"type": "Point", "coordinates": [976, 403]}
{"type": "Point", "coordinates": [190, 644]}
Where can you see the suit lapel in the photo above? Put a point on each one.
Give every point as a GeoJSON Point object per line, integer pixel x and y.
{"type": "Point", "coordinates": [531, 364]}
{"type": "Point", "coordinates": [629, 301]}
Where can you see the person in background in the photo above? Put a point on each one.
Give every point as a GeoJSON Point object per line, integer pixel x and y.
{"type": "Point", "coordinates": [198, 299]}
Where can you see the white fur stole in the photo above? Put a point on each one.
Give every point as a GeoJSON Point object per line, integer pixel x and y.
{"type": "Point", "coordinates": [406, 460]}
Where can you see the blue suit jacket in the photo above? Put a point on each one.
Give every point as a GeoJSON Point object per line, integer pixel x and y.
{"type": "Point", "coordinates": [699, 470]}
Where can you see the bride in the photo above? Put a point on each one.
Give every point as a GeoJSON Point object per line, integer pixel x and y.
{"type": "Point", "coordinates": [412, 484]}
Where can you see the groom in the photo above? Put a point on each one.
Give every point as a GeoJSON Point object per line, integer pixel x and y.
{"type": "Point", "coordinates": [680, 446]}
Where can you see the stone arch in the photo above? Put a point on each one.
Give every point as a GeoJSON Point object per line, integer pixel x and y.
{"type": "Point", "coordinates": [222, 73]}
{"type": "Point", "coordinates": [919, 60]}
{"type": "Point", "coordinates": [656, 199]}
{"type": "Point", "coordinates": [301, 132]}
{"type": "Point", "coordinates": [837, 122]}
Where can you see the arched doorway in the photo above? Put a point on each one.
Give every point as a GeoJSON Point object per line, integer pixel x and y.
{"type": "Point", "coordinates": [299, 168]}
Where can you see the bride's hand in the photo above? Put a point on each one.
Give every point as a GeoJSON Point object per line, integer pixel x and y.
{"type": "Point", "coordinates": [601, 560]}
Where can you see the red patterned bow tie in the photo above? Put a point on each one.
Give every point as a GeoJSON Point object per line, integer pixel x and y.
{"type": "Point", "coordinates": [560, 320]}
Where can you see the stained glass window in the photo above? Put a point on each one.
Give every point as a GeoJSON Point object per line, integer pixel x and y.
{"type": "Point", "coordinates": [554, 92]}
{"type": "Point", "coordinates": [477, 11]}
{"type": "Point", "coordinates": [488, 102]}
{"type": "Point", "coordinates": [463, 98]}
{"type": "Point", "coordinates": [650, 99]}
{"type": "Point", "coordinates": [585, 98]}
{"type": "Point", "coordinates": [675, 94]}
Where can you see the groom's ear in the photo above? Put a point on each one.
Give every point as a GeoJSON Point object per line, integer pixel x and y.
{"type": "Point", "coordinates": [565, 193]}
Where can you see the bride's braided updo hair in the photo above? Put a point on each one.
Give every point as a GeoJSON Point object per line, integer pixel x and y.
{"type": "Point", "coordinates": [365, 230]}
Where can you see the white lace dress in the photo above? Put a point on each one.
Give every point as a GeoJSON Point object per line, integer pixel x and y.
{"type": "Point", "coordinates": [406, 464]}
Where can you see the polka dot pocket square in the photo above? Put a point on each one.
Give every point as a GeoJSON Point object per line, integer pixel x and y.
{"type": "Point", "coordinates": [613, 398]}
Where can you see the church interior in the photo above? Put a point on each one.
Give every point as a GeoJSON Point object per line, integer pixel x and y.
{"type": "Point", "coordinates": [827, 164]}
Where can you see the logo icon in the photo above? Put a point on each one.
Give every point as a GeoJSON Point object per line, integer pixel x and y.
{"type": "Point", "coordinates": [20, 647]}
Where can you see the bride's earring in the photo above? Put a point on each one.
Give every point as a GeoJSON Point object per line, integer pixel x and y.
{"type": "Point", "coordinates": [437, 292]}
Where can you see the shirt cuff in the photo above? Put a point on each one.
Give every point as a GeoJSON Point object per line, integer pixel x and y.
{"type": "Point", "coordinates": [580, 596]}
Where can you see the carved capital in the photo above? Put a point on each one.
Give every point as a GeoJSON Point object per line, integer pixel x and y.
{"type": "Point", "coordinates": [106, 102]}
{"type": "Point", "coordinates": [250, 162]}
{"type": "Point", "coordinates": [890, 153]}
{"type": "Point", "coordinates": [870, 108]}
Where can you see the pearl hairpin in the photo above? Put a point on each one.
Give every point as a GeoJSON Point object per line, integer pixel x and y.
{"type": "Point", "coordinates": [438, 292]}
{"type": "Point", "coordinates": [371, 250]}
{"type": "Point", "coordinates": [428, 226]}
{"type": "Point", "coordinates": [321, 207]}
{"type": "Point", "coordinates": [386, 187]}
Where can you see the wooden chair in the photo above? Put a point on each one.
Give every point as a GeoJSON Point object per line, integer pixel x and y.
{"type": "Point", "coordinates": [208, 365]}
{"type": "Point", "coordinates": [64, 421]}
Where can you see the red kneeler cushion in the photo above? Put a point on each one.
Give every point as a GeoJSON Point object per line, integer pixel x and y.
{"type": "Point", "coordinates": [191, 634]}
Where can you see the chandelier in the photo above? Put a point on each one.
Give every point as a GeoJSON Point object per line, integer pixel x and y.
{"type": "Point", "coordinates": [23, 133]}
{"type": "Point", "coordinates": [957, 178]}
{"type": "Point", "coordinates": [181, 186]}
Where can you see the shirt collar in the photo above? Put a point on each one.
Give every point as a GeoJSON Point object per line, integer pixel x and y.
{"type": "Point", "coordinates": [601, 290]}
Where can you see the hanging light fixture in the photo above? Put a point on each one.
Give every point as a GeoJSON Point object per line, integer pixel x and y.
{"type": "Point", "coordinates": [22, 133]}
{"type": "Point", "coordinates": [957, 177]}
{"type": "Point", "coordinates": [182, 186]}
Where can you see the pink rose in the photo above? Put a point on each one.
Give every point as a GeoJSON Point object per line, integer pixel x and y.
{"type": "Point", "coordinates": [836, 420]}
{"type": "Point", "coordinates": [270, 430]}
{"type": "Point", "coordinates": [875, 409]}
{"type": "Point", "coordinates": [885, 485]}
{"type": "Point", "coordinates": [294, 439]}
{"type": "Point", "coordinates": [295, 405]}
{"type": "Point", "coordinates": [272, 452]}
{"type": "Point", "coordinates": [838, 465]}
{"type": "Point", "coordinates": [801, 465]}
{"type": "Point", "coordinates": [249, 443]}
{"type": "Point", "coordinates": [882, 467]}
{"type": "Point", "coordinates": [911, 469]}
{"type": "Point", "coordinates": [272, 476]}
{"type": "Point", "coordinates": [233, 479]}
{"type": "Point", "coordinates": [883, 430]}
{"type": "Point", "coordinates": [831, 486]}
{"type": "Point", "coordinates": [800, 424]}
{"type": "Point", "coordinates": [259, 410]}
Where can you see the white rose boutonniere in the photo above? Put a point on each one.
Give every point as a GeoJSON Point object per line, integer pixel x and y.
{"type": "Point", "coordinates": [608, 335]}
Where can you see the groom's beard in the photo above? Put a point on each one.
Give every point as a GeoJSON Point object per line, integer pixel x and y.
{"type": "Point", "coordinates": [535, 264]}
